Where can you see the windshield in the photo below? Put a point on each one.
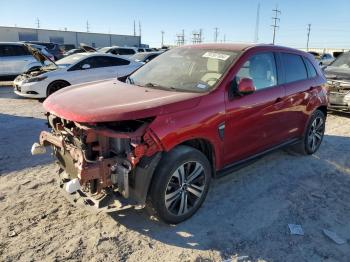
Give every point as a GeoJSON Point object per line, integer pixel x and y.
{"type": "Point", "coordinates": [69, 60]}
{"type": "Point", "coordinates": [104, 49]}
{"type": "Point", "coordinates": [185, 69]}
{"type": "Point", "coordinates": [342, 61]}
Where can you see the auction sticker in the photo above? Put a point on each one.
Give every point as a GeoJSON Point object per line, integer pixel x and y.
{"type": "Point", "coordinates": [216, 56]}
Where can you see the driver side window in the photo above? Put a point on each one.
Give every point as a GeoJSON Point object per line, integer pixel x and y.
{"type": "Point", "coordinates": [261, 68]}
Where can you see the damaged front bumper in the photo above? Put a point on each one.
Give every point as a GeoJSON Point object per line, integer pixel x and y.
{"type": "Point", "coordinates": [101, 163]}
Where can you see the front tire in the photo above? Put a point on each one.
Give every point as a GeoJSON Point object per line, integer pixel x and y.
{"type": "Point", "coordinates": [180, 184]}
{"type": "Point", "coordinates": [55, 86]}
{"type": "Point", "coordinates": [313, 134]}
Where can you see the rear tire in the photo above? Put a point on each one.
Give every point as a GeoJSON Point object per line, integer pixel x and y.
{"type": "Point", "coordinates": [180, 184]}
{"type": "Point", "coordinates": [55, 86]}
{"type": "Point", "coordinates": [313, 135]}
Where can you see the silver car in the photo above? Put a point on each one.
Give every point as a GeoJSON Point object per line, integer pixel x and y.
{"type": "Point", "coordinates": [16, 59]}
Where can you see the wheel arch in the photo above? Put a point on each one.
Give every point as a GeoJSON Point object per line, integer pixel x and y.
{"type": "Point", "coordinates": [54, 81]}
{"type": "Point", "coordinates": [204, 146]}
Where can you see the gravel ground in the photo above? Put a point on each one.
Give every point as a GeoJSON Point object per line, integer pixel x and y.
{"type": "Point", "coordinates": [244, 218]}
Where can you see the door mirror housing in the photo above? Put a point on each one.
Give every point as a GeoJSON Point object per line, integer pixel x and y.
{"type": "Point", "coordinates": [85, 66]}
{"type": "Point", "coordinates": [246, 86]}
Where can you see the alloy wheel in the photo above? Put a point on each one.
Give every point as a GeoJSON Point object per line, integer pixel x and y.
{"type": "Point", "coordinates": [316, 133]}
{"type": "Point", "coordinates": [185, 188]}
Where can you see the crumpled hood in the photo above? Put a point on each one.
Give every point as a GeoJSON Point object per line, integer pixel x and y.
{"type": "Point", "coordinates": [39, 55]}
{"type": "Point", "coordinates": [336, 73]}
{"type": "Point", "coordinates": [112, 100]}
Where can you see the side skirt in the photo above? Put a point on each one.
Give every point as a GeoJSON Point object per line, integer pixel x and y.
{"type": "Point", "coordinates": [247, 161]}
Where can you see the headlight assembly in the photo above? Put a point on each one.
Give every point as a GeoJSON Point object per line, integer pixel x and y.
{"type": "Point", "coordinates": [35, 79]}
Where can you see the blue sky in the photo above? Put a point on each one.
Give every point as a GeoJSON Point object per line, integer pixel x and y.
{"type": "Point", "coordinates": [235, 18]}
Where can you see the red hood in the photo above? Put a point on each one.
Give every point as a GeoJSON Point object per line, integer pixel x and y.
{"type": "Point", "coordinates": [112, 100]}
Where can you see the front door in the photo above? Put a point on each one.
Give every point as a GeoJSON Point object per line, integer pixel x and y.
{"type": "Point", "coordinates": [253, 121]}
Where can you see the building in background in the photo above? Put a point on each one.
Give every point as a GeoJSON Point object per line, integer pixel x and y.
{"type": "Point", "coordinates": [14, 34]}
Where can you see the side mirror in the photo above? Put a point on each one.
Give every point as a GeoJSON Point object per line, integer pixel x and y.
{"type": "Point", "coordinates": [85, 66]}
{"type": "Point", "coordinates": [246, 86]}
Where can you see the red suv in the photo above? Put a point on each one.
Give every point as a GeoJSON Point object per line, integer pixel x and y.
{"type": "Point", "coordinates": [193, 113]}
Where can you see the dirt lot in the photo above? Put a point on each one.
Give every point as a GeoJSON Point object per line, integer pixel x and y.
{"type": "Point", "coordinates": [245, 214]}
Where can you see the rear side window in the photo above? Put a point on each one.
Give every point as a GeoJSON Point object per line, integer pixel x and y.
{"type": "Point", "coordinates": [13, 50]}
{"type": "Point", "coordinates": [294, 67]}
{"type": "Point", "coordinates": [310, 68]}
{"type": "Point", "coordinates": [123, 51]}
{"type": "Point", "coordinates": [105, 61]}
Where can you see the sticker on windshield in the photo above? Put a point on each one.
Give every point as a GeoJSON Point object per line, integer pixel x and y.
{"type": "Point", "coordinates": [216, 56]}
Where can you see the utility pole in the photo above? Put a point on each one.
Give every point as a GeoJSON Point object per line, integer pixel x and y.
{"type": "Point", "coordinates": [162, 38]}
{"type": "Point", "coordinates": [180, 38]}
{"type": "Point", "coordinates": [308, 36]}
{"type": "Point", "coordinates": [216, 34]}
{"type": "Point", "coordinates": [275, 21]}
{"type": "Point", "coordinates": [257, 23]}
{"type": "Point", "coordinates": [37, 23]}
{"type": "Point", "coordinates": [87, 26]}
{"type": "Point", "coordinates": [197, 37]}
{"type": "Point", "coordinates": [134, 28]}
{"type": "Point", "coordinates": [224, 38]}
{"type": "Point", "coordinates": [140, 32]}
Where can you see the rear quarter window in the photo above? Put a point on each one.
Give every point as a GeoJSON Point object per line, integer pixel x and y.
{"type": "Point", "coordinates": [13, 50]}
{"type": "Point", "coordinates": [294, 67]}
{"type": "Point", "coordinates": [310, 68]}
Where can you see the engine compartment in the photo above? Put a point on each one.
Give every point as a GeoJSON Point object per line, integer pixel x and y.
{"type": "Point", "coordinates": [102, 156]}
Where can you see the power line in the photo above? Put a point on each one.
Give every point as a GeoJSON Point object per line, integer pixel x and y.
{"type": "Point", "coordinates": [216, 34]}
{"type": "Point", "coordinates": [308, 36]}
{"type": "Point", "coordinates": [275, 21]}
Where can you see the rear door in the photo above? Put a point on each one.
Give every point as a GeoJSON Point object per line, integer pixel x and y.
{"type": "Point", "coordinates": [253, 122]}
{"type": "Point", "coordinates": [298, 83]}
{"type": "Point", "coordinates": [115, 66]}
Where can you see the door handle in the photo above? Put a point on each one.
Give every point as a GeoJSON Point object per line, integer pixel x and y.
{"type": "Point", "coordinates": [279, 99]}
{"type": "Point", "coordinates": [312, 88]}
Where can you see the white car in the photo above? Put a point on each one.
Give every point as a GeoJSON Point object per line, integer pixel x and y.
{"type": "Point", "coordinates": [119, 51]}
{"type": "Point", "coordinates": [71, 70]}
{"type": "Point", "coordinates": [16, 59]}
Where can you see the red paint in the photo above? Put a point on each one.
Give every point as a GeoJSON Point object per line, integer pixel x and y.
{"type": "Point", "coordinates": [253, 122]}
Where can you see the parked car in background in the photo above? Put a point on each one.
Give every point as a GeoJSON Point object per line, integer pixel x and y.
{"type": "Point", "coordinates": [83, 48]}
{"type": "Point", "coordinates": [74, 51]}
{"type": "Point", "coordinates": [144, 50]}
{"type": "Point", "coordinates": [71, 70]}
{"type": "Point", "coordinates": [120, 51]}
{"type": "Point", "coordinates": [67, 47]}
{"type": "Point", "coordinates": [15, 59]}
{"type": "Point", "coordinates": [326, 59]}
{"type": "Point", "coordinates": [338, 76]}
{"type": "Point", "coordinates": [145, 57]}
{"type": "Point", "coordinates": [44, 51]}
{"type": "Point", "coordinates": [53, 48]}
{"type": "Point", "coordinates": [323, 59]}
{"type": "Point", "coordinates": [193, 113]}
